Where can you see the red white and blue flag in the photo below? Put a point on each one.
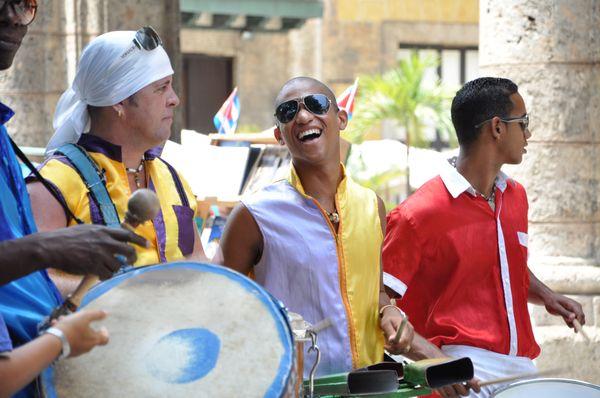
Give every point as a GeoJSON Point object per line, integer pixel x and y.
{"type": "Point", "coordinates": [346, 99]}
{"type": "Point", "coordinates": [227, 117]}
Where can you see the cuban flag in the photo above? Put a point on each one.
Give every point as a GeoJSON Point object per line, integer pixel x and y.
{"type": "Point", "coordinates": [227, 117]}
{"type": "Point", "coordinates": [346, 100]}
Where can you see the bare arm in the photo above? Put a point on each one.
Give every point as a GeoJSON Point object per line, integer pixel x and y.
{"type": "Point", "coordinates": [48, 213]}
{"type": "Point", "coordinates": [556, 304]}
{"type": "Point", "coordinates": [242, 241]}
{"type": "Point", "coordinates": [391, 317]}
{"type": "Point", "coordinates": [20, 366]}
{"type": "Point", "coordinates": [79, 250]}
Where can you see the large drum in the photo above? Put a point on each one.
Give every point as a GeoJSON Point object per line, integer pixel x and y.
{"type": "Point", "coordinates": [549, 388]}
{"type": "Point", "coordinates": [183, 330]}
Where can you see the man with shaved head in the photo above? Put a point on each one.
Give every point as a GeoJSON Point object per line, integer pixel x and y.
{"type": "Point", "coordinates": [313, 240]}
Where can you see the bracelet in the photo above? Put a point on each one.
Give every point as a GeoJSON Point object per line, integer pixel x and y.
{"type": "Point", "coordinates": [388, 306]}
{"type": "Point", "coordinates": [66, 347]}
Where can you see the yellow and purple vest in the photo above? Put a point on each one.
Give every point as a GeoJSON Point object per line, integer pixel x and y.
{"type": "Point", "coordinates": [320, 274]}
{"type": "Point", "coordinates": [171, 234]}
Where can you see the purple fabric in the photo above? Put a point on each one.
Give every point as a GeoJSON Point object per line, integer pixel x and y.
{"type": "Point", "coordinates": [93, 143]}
{"type": "Point", "coordinates": [185, 223]}
{"type": "Point", "coordinates": [5, 343]}
{"type": "Point", "coordinates": [95, 214]}
{"type": "Point", "coordinates": [153, 153]}
{"type": "Point", "coordinates": [161, 230]}
{"type": "Point", "coordinates": [299, 266]}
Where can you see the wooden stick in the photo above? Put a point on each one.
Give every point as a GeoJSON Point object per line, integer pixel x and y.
{"type": "Point", "coordinates": [400, 329]}
{"type": "Point", "coordinates": [579, 329]}
{"type": "Point", "coordinates": [521, 376]}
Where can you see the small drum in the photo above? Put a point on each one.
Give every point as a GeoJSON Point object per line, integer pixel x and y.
{"type": "Point", "coordinates": [549, 388]}
{"type": "Point", "coordinates": [183, 330]}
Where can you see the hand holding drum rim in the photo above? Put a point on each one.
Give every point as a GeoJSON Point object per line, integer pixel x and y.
{"type": "Point", "coordinates": [79, 333]}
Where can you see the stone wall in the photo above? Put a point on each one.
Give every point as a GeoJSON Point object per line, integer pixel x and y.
{"type": "Point", "coordinates": [551, 49]}
{"type": "Point", "coordinates": [336, 49]}
{"type": "Point", "coordinates": [46, 62]}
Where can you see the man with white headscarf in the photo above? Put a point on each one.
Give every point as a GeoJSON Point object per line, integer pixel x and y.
{"type": "Point", "coordinates": [119, 109]}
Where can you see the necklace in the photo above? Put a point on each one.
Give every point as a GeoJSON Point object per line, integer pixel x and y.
{"type": "Point", "coordinates": [334, 217]}
{"type": "Point", "coordinates": [491, 199]}
{"type": "Point", "coordinates": [136, 173]}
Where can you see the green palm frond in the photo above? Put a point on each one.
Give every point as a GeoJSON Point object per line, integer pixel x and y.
{"type": "Point", "coordinates": [401, 94]}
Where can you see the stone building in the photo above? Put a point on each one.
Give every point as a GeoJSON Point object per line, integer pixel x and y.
{"type": "Point", "coordinates": [353, 37]}
{"type": "Point", "coordinates": [551, 49]}
{"type": "Point", "coordinates": [46, 61]}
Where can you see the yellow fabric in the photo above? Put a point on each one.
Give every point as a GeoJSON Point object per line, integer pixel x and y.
{"type": "Point", "coordinates": [359, 240]}
{"type": "Point", "coordinates": [75, 193]}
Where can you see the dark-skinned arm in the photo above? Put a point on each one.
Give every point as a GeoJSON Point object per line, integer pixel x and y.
{"type": "Point", "coordinates": [80, 250]}
{"type": "Point", "coordinates": [391, 317]}
{"type": "Point", "coordinates": [242, 242]}
{"type": "Point", "coordinates": [555, 303]}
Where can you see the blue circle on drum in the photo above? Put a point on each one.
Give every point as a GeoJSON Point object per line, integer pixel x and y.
{"type": "Point", "coordinates": [183, 356]}
{"type": "Point", "coordinates": [275, 308]}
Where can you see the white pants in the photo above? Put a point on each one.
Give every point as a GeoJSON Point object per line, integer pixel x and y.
{"type": "Point", "coordinates": [490, 365]}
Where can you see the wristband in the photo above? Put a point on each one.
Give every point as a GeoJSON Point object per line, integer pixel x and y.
{"type": "Point", "coordinates": [66, 347]}
{"type": "Point", "coordinates": [388, 306]}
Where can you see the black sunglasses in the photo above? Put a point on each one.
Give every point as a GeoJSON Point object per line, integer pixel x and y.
{"type": "Point", "coordinates": [147, 39]}
{"type": "Point", "coordinates": [23, 10]}
{"type": "Point", "coordinates": [317, 104]}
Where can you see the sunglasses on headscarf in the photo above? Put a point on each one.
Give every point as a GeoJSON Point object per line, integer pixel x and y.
{"type": "Point", "coordinates": [23, 10]}
{"type": "Point", "coordinates": [147, 39]}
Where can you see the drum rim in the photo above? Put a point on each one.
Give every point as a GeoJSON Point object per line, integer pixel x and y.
{"type": "Point", "coordinates": [542, 379]}
{"type": "Point", "coordinates": [284, 373]}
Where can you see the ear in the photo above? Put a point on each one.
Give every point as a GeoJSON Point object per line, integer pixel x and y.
{"type": "Point", "coordinates": [277, 134]}
{"type": "Point", "coordinates": [342, 116]}
{"type": "Point", "coordinates": [119, 109]}
{"type": "Point", "coordinates": [498, 128]}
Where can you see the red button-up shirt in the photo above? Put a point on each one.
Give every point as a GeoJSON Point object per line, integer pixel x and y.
{"type": "Point", "coordinates": [460, 266]}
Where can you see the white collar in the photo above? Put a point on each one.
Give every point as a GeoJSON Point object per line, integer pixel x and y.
{"type": "Point", "coordinates": [456, 184]}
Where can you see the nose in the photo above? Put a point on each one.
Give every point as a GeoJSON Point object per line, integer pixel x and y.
{"type": "Point", "coordinates": [527, 133]}
{"type": "Point", "coordinates": [303, 115]}
{"type": "Point", "coordinates": [8, 14]}
{"type": "Point", "coordinates": [173, 99]}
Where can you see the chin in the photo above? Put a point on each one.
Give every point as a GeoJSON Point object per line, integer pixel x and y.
{"type": "Point", "coordinates": [6, 59]}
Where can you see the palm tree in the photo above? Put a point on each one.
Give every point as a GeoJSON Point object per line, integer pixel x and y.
{"type": "Point", "coordinates": [404, 96]}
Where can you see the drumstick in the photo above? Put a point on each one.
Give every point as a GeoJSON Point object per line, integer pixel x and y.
{"type": "Point", "coordinates": [579, 329]}
{"type": "Point", "coordinates": [521, 376]}
{"type": "Point", "coordinates": [141, 207]}
{"type": "Point", "coordinates": [400, 329]}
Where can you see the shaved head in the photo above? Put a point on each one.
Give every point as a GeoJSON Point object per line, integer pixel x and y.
{"type": "Point", "coordinates": [305, 81]}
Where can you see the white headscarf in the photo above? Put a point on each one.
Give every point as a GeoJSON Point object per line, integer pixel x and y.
{"type": "Point", "coordinates": [111, 69]}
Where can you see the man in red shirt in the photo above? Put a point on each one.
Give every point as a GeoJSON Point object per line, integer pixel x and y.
{"type": "Point", "coordinates": [456, 250]}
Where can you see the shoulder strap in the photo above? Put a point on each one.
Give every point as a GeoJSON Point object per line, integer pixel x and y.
{"type": "Point", "coordinates": [51, 188]}
{"type": "Point", "coordinates": [94, 180]}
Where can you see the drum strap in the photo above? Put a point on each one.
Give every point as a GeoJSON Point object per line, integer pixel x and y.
{"type": "Point", "coordinates": [95, 181]}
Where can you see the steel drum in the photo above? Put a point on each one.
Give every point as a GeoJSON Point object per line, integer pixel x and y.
{"type": "Point", "coordinates": [549, 388]}
{"type": "Point", "coordinates": [183, 330]}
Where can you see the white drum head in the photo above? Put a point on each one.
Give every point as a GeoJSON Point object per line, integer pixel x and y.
{"type": "Point", "coordinates": [183, 330]}
{"type": "Point", "coordinates": [549, 388]}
